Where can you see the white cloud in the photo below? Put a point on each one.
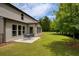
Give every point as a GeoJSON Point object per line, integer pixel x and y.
{"type": "Point", "coordinates": [36, 10]}
{"type": "Point", "coordinates": [39, 10]}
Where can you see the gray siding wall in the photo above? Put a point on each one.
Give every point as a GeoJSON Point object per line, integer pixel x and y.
{"type": "Point", "coordinates": [1, 29]}
{"type": "Point", "coordinates": [8, 30]}
{"type": "Point", "coordinates": [34, 28]}
{"type": "Point", "coordinates": [12, 13]}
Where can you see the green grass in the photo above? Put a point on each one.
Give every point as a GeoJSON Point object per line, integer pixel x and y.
{"type": "Point", "coordinates": [50, 44]}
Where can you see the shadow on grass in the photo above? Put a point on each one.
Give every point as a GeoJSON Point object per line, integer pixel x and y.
{"type": "Point", "coordinates": [60, 34]}
{"type": "Point", "coordinates": [76, 35]}
{"type": "Point", "coordinates": [61, 48]}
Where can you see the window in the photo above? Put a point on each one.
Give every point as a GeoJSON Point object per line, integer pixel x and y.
{"type": "Point", "coordinates": [22, 16]}
{"type": "Point", "coordinates": [14, 30]}
{"type": "Point", "coordinates": [23, 29]}
{"type": "Point", "coordinates": [19, 29]}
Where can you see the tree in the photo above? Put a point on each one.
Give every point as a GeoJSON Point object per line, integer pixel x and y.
{"type": "Point", "coordinates": [53, 26]}
{"type": "Point", "coordinates": [45, 23]}
{"type": "Point", "coordinates": [68, 18]}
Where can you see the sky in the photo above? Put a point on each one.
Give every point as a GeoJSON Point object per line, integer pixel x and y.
{"type": "Point", "coordinates": [38, 10]}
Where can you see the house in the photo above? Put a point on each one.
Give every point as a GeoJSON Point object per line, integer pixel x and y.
{"type": "Point", "coordinates": [14, 23]}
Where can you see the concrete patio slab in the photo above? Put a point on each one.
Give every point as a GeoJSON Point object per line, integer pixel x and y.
{"type": "Point", "coordinates": [28, 40]}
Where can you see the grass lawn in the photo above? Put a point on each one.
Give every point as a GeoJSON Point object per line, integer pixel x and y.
{"type": "Point", "coordinates": [50, 44]}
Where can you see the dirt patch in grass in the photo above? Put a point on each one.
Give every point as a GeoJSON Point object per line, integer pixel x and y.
{"type": "Point", "coordinates": [5, 43]}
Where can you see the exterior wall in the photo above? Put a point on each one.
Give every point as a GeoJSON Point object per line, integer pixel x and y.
{"type": "Point", "coordinates": [38, 34]}
{"type": "Point", "coordinates": [1, 29]}
{"type": "Point", "coordinates": [8, 30]}
{"type": "Point", "coordinates": [11, 13]}
{"type": "Point", "coordinates": [34, 29]}
{"type": "Point", "coordinates": [1, 25]}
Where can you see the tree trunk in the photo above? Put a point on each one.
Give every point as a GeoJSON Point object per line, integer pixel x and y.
{"type": "Point", "coordinates": [73, 36]}
{"type": "Point", "coordinates": [74, 39]}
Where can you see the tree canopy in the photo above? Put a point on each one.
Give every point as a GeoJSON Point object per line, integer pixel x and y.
{"type": "Point", "coordinates": [67, 18]}
{"type": "Point", "coordinates": [66, 22]}
{"type": "Point", "coordinates": [45, 23]}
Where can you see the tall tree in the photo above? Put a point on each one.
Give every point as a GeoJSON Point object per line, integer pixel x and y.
{"type": "Point", "coordinates": [45, 23]}
{"type": "Point", "coordinates": [68, 18]}
{"type": "Point", "coordinates": [53, 26]}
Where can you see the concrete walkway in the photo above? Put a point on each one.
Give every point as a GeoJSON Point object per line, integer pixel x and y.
{"type": "Point", "coordinates": [27, 40]}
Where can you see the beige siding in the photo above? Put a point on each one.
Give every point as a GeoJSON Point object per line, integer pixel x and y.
{"type": "Point", "coordinates": [1, 25]}
{"type": "Point", "coordinates": [8, 29]}
{"type": "Point", "coordinates": [34, 28]}
{"type": "Point", "coordinates": [1, 29]}
{"type": "Point", "coordinates": [11, 13]}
